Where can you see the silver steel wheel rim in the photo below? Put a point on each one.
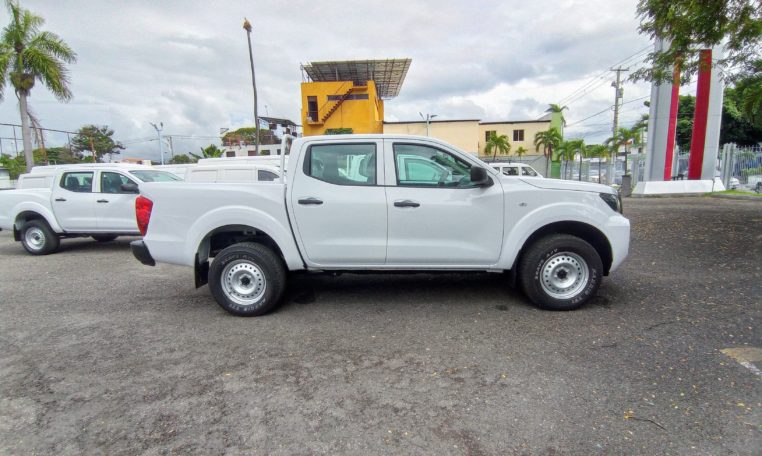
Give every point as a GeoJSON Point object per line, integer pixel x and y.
{"type": "Point", "coordinates": [35, 238]}
{"type": "Point", "coordinates": [564, 275]}
{"type": "Point", "coordinates": [243, 282]}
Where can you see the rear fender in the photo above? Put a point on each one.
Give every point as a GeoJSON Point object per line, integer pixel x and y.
{"type": "Point", "coordinates": [242, 216]}
{"type": "Point", "coordinates": [36, 208]}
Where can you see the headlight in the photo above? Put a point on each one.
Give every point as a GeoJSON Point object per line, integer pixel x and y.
{"type": "Point", "coordinates": [614, 201]}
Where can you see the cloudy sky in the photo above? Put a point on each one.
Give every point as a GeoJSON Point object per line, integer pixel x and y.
{"type": "Point", "coordinates": [185, 63]}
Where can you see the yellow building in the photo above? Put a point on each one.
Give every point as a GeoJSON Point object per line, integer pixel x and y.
{"type": "Point", "coordinates": [520, 133]}
{"type": "Point", "coordinates": [463, 134]}
{"type": "Point", "coordinates": [348, 96]}
{"type": "Point", "coordinates": [471, 135]}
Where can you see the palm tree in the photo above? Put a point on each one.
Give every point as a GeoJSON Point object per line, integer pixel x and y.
{"type": "Point", "coordinates": [597, 151]}
{"type": "Point", "coordinates": [547, 140]}
{"type": "Point", "coordinates": [28, 54]}
{"type": "Point", "coordinates": [624, 137]}
{"type": "Point", "coordinates": [210, 151]}
{"type": "Point", "coordinates": [521, 151]}
{"type": "Point", "coordinates": [576, 146]}
{"type": "Point", "coordinates": [497, 144]}
{"type": "Point", "coordinates": [554, 108]}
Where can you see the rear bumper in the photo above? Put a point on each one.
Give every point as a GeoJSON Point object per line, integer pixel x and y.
{"type": "Point", "coordinates": [140, 251]}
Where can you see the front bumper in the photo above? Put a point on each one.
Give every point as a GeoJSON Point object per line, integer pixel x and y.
{"type": "Point", "coordinates": [140, 251]}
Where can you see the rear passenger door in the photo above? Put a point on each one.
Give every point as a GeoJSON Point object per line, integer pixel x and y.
{"type": "Point", "coordinates": [339, 204]}
{"type": "Point", "coordinates": [74, 201]}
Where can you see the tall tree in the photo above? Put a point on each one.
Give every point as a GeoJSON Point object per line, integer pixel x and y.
{"type": "Point", "coordinates": [497, 144]}
{"type": "Point", "coordinates": [689, 26]}
{"type": "Point", "coordinates": [547, 140]}
{"type": "Point", "coordinates": [96, 139]}
{"type": "Point", "coordinates": [28, 54]}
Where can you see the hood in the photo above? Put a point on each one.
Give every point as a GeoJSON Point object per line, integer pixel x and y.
{"type": "Point", "coordinates": [558, 184]}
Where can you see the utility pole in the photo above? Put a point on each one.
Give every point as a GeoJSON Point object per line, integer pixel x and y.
{"type": "Point", "coordinates": [158, 129]}
{"type": "Point", "coordinates": [171, 148]}
{"type": "Point", "coordinates": [428, 120]}
{"type": "Point", "coordinates": [618, 93]}
{"type": "Point", "coordinates": [247, 27]}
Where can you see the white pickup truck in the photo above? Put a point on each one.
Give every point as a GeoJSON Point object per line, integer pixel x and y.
{"type": "Point", "coordinates": [351, 203]}
{"type": "Point", "coordinates": [54, 202]}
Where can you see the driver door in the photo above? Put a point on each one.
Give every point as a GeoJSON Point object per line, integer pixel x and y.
{"type": "Point", "coordinates": [436, 216]}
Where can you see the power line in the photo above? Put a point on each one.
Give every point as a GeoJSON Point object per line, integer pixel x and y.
{"type": "Point", "coordinates": [567, 99]}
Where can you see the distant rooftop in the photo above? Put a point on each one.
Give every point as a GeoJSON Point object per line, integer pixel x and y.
{"type": "Point", "coordinates": [387, 74]}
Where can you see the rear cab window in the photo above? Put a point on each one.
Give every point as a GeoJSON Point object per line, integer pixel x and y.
{"type": "Point", "coordinates": [342, 164]}
{"type": "Point", "coordinates": [77, 181]}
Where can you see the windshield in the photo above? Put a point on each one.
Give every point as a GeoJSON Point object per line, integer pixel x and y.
{"type": "Point", "coordinates": [155, 176]}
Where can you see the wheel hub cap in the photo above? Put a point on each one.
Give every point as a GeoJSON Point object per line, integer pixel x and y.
{"type": "Point", "coordinates": [35, 238]}
{"type": "Point", "coordinates": [243, 282]}
{"type": "Point", "coordinates": [564, 275]}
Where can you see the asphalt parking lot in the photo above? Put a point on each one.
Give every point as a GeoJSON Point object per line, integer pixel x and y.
{"type": "Point", "coordinates": [102, 355]}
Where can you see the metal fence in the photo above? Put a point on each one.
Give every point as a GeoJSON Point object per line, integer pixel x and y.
{"type": "Point", "coordinates": [604, 170]}
{"type": "Point", "coordinates": [741, 167]}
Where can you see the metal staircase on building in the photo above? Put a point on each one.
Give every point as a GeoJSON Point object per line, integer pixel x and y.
{"type": "Point", "coordinates": [328, 110]}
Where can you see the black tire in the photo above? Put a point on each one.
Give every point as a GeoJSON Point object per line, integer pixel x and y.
{"type": "Point", "coordinates": [104, 237]}
{"type": "Point", "coordinates": [257, 264]}
{"type": "Point", "coordinates": [38, 239]}
{"type": "Point", "coordinates": [547, 258]}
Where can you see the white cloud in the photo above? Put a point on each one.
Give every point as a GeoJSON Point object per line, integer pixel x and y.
{"type": "Point", "coordinates": [186, 62]}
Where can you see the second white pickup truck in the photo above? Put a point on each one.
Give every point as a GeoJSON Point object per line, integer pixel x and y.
{"type": "Point", "coordinates": [55, 202]}
{"type": "Point", "coordinates": [384, 203]}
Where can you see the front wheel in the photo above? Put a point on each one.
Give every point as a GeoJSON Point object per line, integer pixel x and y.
{"type": "Point", "coordinates": [560, 272]}
{"type": "Point", "coordinates": [247, 279]}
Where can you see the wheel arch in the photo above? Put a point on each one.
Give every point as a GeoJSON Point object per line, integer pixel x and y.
{"type": "Point", "coordinates": [582, 230]}
{"type": "Point", "coordinates": [24, 216]}
{"type": "Point", "coordinates": [224, 236]}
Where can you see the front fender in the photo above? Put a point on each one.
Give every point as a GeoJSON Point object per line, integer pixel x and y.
{"type": "Point", "coordinates": [563, 211]}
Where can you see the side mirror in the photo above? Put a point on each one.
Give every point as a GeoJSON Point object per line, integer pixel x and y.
{"type": "Point", "coordinates": [479, 177]}
{"type": "Point", "coordinates": [130, 188]}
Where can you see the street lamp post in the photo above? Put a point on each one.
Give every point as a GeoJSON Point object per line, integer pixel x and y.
{"type": "Point", "coordinates": [158, 129]}
{"type": "Point", "coordinates": [428, 120]}
{"type": "Point", "coordinates": [247, 27]}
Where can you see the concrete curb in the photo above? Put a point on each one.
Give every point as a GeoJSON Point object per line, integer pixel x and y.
{"type": "Point", "coordinates": [699, 195]}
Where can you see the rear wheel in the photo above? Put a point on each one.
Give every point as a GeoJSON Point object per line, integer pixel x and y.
{"type": "Point", "coordinates": [38, 239]}
{"type": "Point", "coordinates": [104, 237]}
{"type": "Point", "coordinates": [247, 279]}
{"type": "Point", "coordinates": [560, 272]}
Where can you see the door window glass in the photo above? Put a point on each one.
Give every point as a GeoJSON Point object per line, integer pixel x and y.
{"type": "Point", "coordinates": [81, 182]}
{"type": "Point", "coordinates": [112, 182]}
{"type": "Point", "coordinates": [426, 166]}
{"type": "Point", "coordinates": [342, 164]}
{"type": "Point", "coordinates": [266, 176]}
{"type": "Point", "coordinates": [511, 171]}
{"type": "Point", "coordinates": [527, 171]}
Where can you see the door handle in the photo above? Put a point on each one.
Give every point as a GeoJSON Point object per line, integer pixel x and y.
{"type": "Point", "coordinates": [406, 203]}
{"type": "Point", "coordinates": [310, 201]}
{"type": "Point", "coordinates": [103, 201]}
{"type": "Point", "coordinates": [60, 199]}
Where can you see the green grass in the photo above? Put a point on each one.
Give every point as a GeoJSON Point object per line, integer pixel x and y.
{"type": "Point", "coordinates": [736, 192]}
